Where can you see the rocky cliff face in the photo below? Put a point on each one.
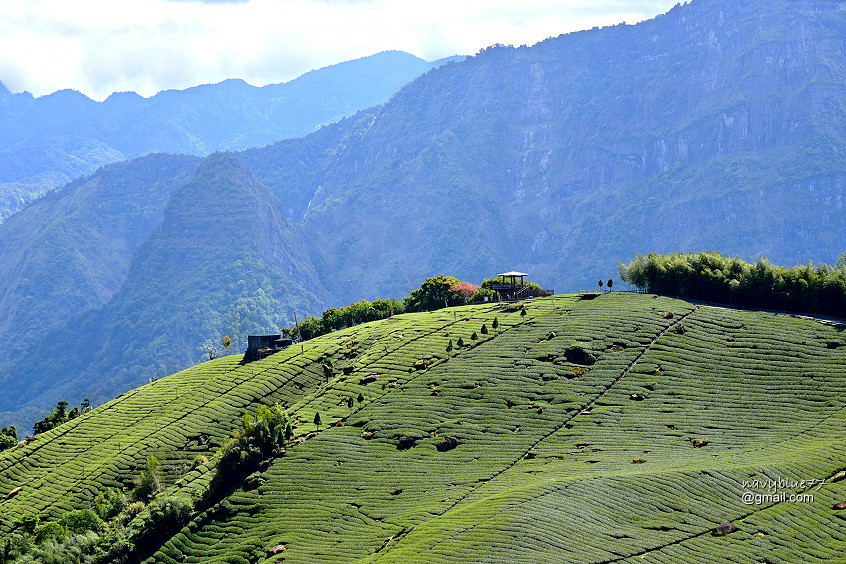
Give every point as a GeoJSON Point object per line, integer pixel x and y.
{"type": "Point", "coordinates": [699, 128]}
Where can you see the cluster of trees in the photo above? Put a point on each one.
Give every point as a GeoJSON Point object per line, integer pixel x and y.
{"type": "Point", "coordinates": [77, 533]}
{"type": "Point", "coordinates": [114, 529]}
{"type": "Point", "coordinates": [339, 318]}
{"type": "Point", "coordinates": [124, 528]}
{"type": "Point", "coordinates": [60, 415]}
{"type": "Point", "coordinates": [446, 291]}
{"type": "Point", "coordinates": [262, 435]}
{"type": "Point", "coordinates": [438, 292]}
{"type": "Point", "coordinates": [8, 437]}
{"type": "Point", "coordinates": [434, 293]}
{"type": "Point", "coordinates": [709, 276]}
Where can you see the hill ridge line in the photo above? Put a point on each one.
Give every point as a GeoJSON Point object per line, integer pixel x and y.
{"type": "Point", "coordinates": [580, 411]}
{"type": "Point", "coordinates": [549, 428]}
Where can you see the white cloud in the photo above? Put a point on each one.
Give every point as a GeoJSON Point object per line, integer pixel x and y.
{"type": "Point", "coordinates": [101, 46]}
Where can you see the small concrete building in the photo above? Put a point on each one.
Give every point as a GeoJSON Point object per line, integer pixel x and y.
{"type": "Point", "coordinates": [260, 346]}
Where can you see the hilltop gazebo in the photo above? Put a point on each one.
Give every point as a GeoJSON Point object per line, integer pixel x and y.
{"type": "Point", "coordinates": [511, 289]}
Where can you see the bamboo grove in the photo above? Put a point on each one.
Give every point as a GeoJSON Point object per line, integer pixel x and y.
{"type": "Point", "coordinates": [712, 277]}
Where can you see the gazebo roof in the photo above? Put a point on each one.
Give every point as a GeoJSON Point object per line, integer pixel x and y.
{"type": "Point", "coordinates": [513, 274]}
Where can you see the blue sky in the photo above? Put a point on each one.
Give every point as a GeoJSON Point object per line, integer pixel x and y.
{"type": "Point", "coordinates": [103, 46]}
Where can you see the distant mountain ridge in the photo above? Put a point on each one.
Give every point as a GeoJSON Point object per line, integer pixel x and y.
{"type": "Point", "coordinates": [715, 126]}
{"type": "Point", "coordinates": [48, 141]}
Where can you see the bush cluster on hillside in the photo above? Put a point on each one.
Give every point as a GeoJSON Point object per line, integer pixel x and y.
{"type": "Point", "coordinates": [147, 484]}
{"type": "Point", "coordinates": [78, 536]}
{"type": "Point", "coordinates": [262, 435]}
{"type": "Point", "coordinates": [712, 277]}
{"type": "Point", "coordinates": [8, 437]}
{"type": "Point", "coordinates": [338, 318]}
{"type": "Point", "coordinates": [113, 531]}
{"type": "Point", "coordinates": [60, 415]}
{"type": "Point", "coordinates": [434, 293]}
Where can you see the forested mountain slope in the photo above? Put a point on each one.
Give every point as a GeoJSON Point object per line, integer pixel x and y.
{"type": "Point", "coordinates": [71, 252]}
{"type": "Point", "coordinates": [223, 260]}
{"type": "Point", "coordinates": [619, 428]}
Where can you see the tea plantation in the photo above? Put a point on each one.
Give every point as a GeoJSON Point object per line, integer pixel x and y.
{"type": "Point", "coordinates": [622, 428]}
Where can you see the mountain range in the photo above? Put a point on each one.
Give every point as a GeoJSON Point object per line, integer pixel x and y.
{"type": "Point", "coordinates": [718, 125]}
{"type": "Point", "coordinates": [47, 141]}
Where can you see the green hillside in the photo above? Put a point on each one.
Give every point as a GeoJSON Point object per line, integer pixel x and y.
{"type": "Point", "coordinates": [619, 428]}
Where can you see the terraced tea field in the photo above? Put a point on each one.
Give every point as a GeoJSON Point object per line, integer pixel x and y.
{"type": "Point", "coordinates": [624, 428]}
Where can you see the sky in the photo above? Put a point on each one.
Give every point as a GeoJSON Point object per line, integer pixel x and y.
{"type": "Point", "coordinates": [104, 46]}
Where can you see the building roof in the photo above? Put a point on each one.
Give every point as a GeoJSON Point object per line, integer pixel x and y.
{"type": "Point", "coordinates": [513, 274]}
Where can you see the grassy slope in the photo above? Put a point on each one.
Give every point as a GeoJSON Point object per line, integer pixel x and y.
{"type": "Point", "coordinates": [543, 471]}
